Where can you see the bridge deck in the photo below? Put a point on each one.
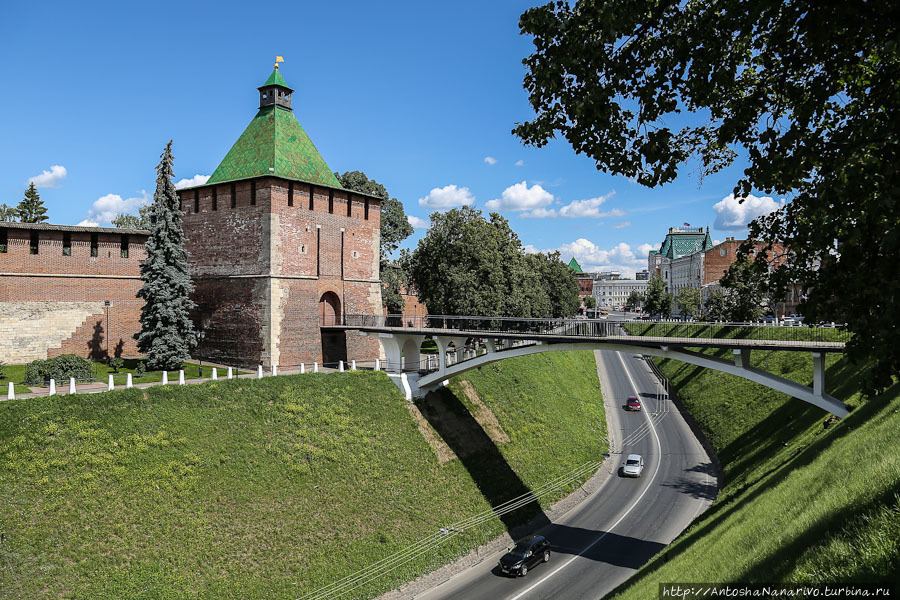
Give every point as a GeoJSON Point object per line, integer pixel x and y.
{"type": "Point", "coordinates": [631, 340]}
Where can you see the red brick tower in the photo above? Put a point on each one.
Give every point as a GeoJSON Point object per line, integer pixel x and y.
{"type": "Point", "coordinates": [277, 246]}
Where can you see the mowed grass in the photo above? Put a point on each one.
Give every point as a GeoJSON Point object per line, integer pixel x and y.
{"type": "Point", "coordinates": [233, 489]}
{"type": "Point", "coordinates": [803, 502]}
{"type": "Point", "coordinates": [551, 406]}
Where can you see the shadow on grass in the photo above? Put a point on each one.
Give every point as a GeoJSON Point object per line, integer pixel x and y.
{"type": "Point", "coordinates": [482, 459]}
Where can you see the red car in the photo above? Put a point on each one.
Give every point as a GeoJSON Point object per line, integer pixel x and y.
{"type": "Point", "coordinates": [633, 403]}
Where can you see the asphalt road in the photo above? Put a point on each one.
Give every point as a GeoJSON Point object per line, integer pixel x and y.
{"type": "Point", "coordinates": [603, 541]}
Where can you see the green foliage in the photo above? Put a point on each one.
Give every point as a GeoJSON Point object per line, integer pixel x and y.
{"type": "Point", "coordinates": [60, 368]}
{"type": "Point", "coordinates": [744, 282]}
{"type": "Point", "coordinates": [255, 488]}
{"type": "Point", "coordinates": [139, 221]}
{"type": "Point", "coordinates": [467, 265]}
{"type": "Point", "coordinates": [31, 209]}
{"type": "Point", "coordinates": [658, 300]}
{"type": "Point", "coordinates": [802, 502]}
{"type": "Point", "coordinates": [590, 302]}
{"type": "Point", "coordinates": [140, 369]}
{"type": "Point", "coordinates": [8, 213]}
{"type": "Point", "coordinates": [167, 333]}
{"type": "Point", "coordinates": [393, 282]}
{"type": "Point", "coordinates": [808, 92]}
{"type": "Point", "coordinates": [635, 299]}
{"type": "Point", "coordinates": [117, 362]}
{"type": "Point", "coordinates": [688, 300]}
{"type": "Point", "coordinates": [716, 306]}
{"type": "Point", "coordinates": [2, 370]}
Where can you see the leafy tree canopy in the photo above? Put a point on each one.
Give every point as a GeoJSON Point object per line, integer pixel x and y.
{"type": "Point", "coordinates": [688, 300]}
{"type": "Point", "coordinates": [31, 209]}
{"type": "Point", "coordinates": [8, 213]}
{"type": "Point", "coordinates": [469, 265]}
{"type": "Point", "coordinates": [139, 221]}
{"type": "Point", "coordinates": [746, 290]}
{"type": "Point", "coordinates": [716, 306]}
{"type": "Point", "coordinates": [808, 92]}
{"type": "Point", "coordinates": [657, 300]}
{"type": "Point", "coordinates": [635, 298]}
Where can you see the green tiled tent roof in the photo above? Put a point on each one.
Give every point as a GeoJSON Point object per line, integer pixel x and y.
{"type": "Point", "coordinates": [275, 79]}
{"type": "Point", "coordinates": [274, 138]}
{"type": "Point", "coordinates": [573, 264]}
{"type": "Point", "coordinates": [681, 244]}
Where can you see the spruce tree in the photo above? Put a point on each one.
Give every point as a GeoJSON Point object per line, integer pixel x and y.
{"type": "Point", "coordinates": [167, 333]}
{"type": "Point", "coordinates": [31, 209]}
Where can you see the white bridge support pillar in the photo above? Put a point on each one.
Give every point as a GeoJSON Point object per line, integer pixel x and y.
{"type": "Point", "coordinates": [400, 351]}
{"type": "Point", "coordinates": [741, 357]}
{"type": "Point", "coordinates": [443, 343]}
{"type": "Point", "coordinates": [818, 374]}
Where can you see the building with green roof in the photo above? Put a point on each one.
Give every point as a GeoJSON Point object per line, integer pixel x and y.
{"type": "Point", "coordinates": [278, 248]}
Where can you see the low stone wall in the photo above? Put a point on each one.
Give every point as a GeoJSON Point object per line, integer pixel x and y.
{"type": "Point", "coordinates": [30, 330]}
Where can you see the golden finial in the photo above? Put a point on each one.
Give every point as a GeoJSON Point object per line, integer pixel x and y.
{"type": "Point", "coordinates": [278, 59]}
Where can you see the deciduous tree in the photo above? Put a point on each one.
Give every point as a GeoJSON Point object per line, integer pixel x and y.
{"type": "Point", "coordinates": [139, 221]}
{"type": "Point", "coordinates": [8, 213]}
{"type": "Point", "coordinates": [688, 301]}
{"type": "Point", "coordinates": [167, 333]}
{"type": "Point", "coordinates": [658, 300]}
{"type": "Point", "coordinates": [808, 93]}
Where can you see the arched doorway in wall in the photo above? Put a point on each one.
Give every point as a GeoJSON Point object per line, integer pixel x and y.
{"type": "Point", "coordinates": [334, 343]}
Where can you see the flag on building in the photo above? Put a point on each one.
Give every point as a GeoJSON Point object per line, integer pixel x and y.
{"type": "Point", "coordinates": [687, 224]}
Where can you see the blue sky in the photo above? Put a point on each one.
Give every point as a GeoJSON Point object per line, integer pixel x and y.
{"type": "Point", "coordinates": [420, 96]}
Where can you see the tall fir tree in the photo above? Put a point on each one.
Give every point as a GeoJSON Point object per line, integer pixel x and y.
{"type": "Point", "coordinates": [167, 333]}
{"type": "Point", "coordinates": [31, 209]}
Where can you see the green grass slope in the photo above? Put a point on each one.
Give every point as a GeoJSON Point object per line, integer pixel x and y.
{"type": "Point", "coordinates": [238, 489]}
{"type": "Point", "coordinates": [802, 502]}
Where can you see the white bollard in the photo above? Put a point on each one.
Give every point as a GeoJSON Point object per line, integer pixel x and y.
{"type": "Point", "coordinates": [315, 367]}
{"type": "Point", "coordinates": [274, 370]}
{"type": "Point", "coordinates": [230, 373]}
{"type": "Point", "coordinates": [52, 387]}
{"type": "Point", "coordinates": [215, 373]}
{"type": "Point", "coordinates": [71, 385]}
{"type": "Point", "coordinates": [302, 368]}
{"type": "Point", "coordinates": [341, 366]}
{"type": "Point", "coordinates": [110, 384]}
{"type": "Point", "coordinates": [11, 394]}
{"type": "Point", "coordinates": [165, 380]}
{"type": "Point", "coordinates": [181, 377]}
{"type": "Point", "coordinates": [377, 365]}
{"type": "Point", "coordinates": [259, 372]}
{"type": "Point", "coordinates": [352, 365]}
{"type": "Point", "coordinates": [128, 381]}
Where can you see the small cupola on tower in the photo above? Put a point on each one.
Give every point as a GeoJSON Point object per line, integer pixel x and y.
{"type": "Point", "coordinates": [275, 92]}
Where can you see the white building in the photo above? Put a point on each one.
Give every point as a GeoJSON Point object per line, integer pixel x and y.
{"type": "Point", "coordinates": [611, 293]}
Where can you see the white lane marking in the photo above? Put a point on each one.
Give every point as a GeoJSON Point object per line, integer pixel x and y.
{"type": "Point", "coordinates": [627, 512]}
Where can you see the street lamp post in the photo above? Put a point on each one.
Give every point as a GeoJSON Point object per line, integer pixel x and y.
{"type": "Point", "coordinates": [200, 335]}
{"type": "Point", "coordinates": [106, 304]}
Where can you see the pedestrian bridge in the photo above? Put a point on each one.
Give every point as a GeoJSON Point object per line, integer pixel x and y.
{"type": "Point", "coordinates": [468, 342]}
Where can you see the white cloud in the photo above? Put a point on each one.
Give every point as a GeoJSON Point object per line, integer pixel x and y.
{"type": "Point", "coordinates": [520, 163]}
{"type": "Point", "coordinates": [195, 180]}
{"type": "Point", "coordinates": [591, 257]}
{"type": "Point", "coordinates": [105, 208]}
{"type": "Point", "coordinates": [490, 160]}
{"type": "Point", "coordinates": [448, 196]}
{"type": "Point", "coordinates": [579, 209]}
{"type": "Point", "coordinates": [622, 225]}
{"type": "Point", "coordinates": [416, 222]}
{"type": "Point", "coordinates": [87, 223]}
{"type": "Point", "coordinates": [49, 179]}
{"type": "Point", "coordinates": [521, 197]}
{"type": "Point", "coordinates": [734, 215]}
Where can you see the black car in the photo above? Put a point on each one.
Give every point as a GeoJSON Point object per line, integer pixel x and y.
{"type": "Point", "coordinates": [525, 554]}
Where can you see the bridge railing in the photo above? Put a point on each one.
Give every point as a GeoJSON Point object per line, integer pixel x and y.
{"type": "Point", "coordinates": [595, 328]}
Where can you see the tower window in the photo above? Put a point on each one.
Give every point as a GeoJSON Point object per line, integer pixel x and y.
{"type": "Point", "coordinates": [290, 193]}
{"type": "Point", "coordinates": [311, 205]}
{"type": "Point", "coordinates": [94, 245]}
{"type": "Point", "coordinates": [67, 244]}
{"type": "Point", "coordinates": [366, 210]}
{"type": "Point", "coordinates": [123, 248]}
{"type": "Point", "coordinates": [4, 241]}
{"type": "Point", "coordinates": [215, 199]}
{"type": "Point", "coordinates": [349, 205]}
{"type": "Point", "coordinates": [196, 201]}
{"type": "Point", "coordinates": [233, 196]}
{"type": "Point", "coordinates": [253, 193]}
{"type": "Point", "coordinates": [330, 202]}
{"type": "Point", "coordinates": [34, 242]}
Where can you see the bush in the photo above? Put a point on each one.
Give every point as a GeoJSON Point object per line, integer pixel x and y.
{"type": "Point", "coordinates": [117, 363]}
{"type": "Point", "coordinates": [2, 369]}
{"type": "Point", "coordinates": [140, 369]}
{"type": "Point", "coordinates": [60, 368]}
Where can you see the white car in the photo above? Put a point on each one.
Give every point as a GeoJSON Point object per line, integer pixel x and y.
{"type": "Point", "coordinates": [634, 466]}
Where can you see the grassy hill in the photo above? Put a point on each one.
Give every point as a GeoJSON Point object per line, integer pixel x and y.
{"type": "Point", "coordinates": [270, 488]}
{"type": "Point", "coordinates": [804, 501]}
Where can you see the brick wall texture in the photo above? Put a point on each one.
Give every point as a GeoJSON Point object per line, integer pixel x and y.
{"type": "Point", "coordinates": [268, 266]}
